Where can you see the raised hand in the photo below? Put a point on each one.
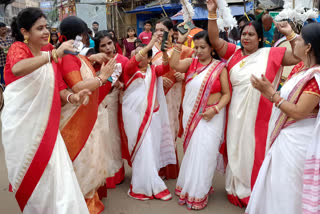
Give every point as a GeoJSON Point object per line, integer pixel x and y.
{"type": "Point", "coordinates": [167, 83]}
{"type": "Point", "coordinates": [212, 5]}
{"type": "Point", "coordinates": [183, 37]}
{"type": "Point", "coordinates": [284, 27]}
{"type": "Point", "coordinates": [179, 76]}
{"type": "Point", "coordinates": [107, 69]}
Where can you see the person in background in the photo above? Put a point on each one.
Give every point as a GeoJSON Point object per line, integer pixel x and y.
{"type": "Point", "coordinates": [91, 41]}
{"type": "Point", "coordinates": [95, 27]}
{"type": "Point", "coordinates": [137, 43]}
{"type": "Point", "coordinates": [115, 40]}
{"type": "Point", "coordinates": [129, 42]}
{"type": "Point", "coordinates": [5, 43]}
{"type": "Point", "coordinates": [146, 35]}
{"type": "Point", "coordinates": [54, 39]}
{"type": "Point", "coordinates": [268, 30]}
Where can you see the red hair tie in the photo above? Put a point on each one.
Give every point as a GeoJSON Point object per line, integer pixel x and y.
{"type": "Point", "coordinates": [62, 38]}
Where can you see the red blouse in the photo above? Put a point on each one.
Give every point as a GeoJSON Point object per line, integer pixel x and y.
{"type": "Point", "coordinates": [312, 86]}
{"type": "Point", "coordinates": [197, 65]}
{"type": "Point", "coordinates": [132, 67]}
{"type": "Point", "coordinates": [19, 51]}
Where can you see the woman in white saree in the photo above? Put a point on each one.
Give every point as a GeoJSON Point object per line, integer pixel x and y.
{"type": "Point", "coordinates": [39, 168]}
{"type": "Point", "coordinates": [280, 181]}
{"type": "Point", "coordinates": [146, 123]}
{"type": "Point", "coordinates": [249, 113]}
{"type": "Point", "coordinates": [206, 96]}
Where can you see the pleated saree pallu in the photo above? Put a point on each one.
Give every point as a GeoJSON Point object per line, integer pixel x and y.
{"type": "Point", "coordinates": [39, 168]}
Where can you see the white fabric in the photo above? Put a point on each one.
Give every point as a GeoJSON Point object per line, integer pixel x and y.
{"type": "Point", "coordinates": [157, 148]}
{"type": "Point", "coordinates": [278, 188]}
{"type": "Point", "coordinates": [241, 122]}
{"type": "Point", "coordinates": [173, 99]}
{"type": "Point", "coordinates": [311, 187]}
{"type": "Point", "coordinates": [146, 165]}
{"type": "Point", "coordinates": [91, 164]}
{"type": "Point", "coordinates": [22, 130]}
{"type": "Point", "coordinates": [113, 141]}
{"type": "Point", "coordinates": [200, 160]}
{"type": "Point", "coordinates": [59, 193]}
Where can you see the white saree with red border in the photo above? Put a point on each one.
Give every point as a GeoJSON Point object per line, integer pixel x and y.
{"type": "Point", "coordinates": [279, 185]}
{"type": "Point", "coordinates": [39, 167]}
{"type": "Point", "coordinates": [311, 176]}
{"type": "Point", "coordinates": [201, 139]}
{"type": "Point", "coordinates": [248, 116]}
{"type": "Point", "coordinates": [150, 142]}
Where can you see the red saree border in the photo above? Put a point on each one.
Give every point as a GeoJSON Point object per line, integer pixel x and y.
{"type": "Point", "coordinates": [44, 152]}
{"type": "Point", "coordinates": [275, 57]}
{"type": "Point", "coordinates": [293, 98]}
{"type": "Point", "coordinates": [77, 129]}
{"type": "Point", "coordinates": [201, 101]}
{"type": "Point", "coordinates": [147, 116]}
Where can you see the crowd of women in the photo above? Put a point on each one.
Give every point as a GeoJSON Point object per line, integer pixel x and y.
{"type": "Point", "coordinates": [69, 119]}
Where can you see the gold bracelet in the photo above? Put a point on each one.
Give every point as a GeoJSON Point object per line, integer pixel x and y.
{"type": "Point", "coordinates": [54, 55]}
{"type": "Point", "coordinates": [212, 15]}
{"type": "Point", "coordinates": [142, 53]}
{"type": "Point", "coordinates": [291, 37]}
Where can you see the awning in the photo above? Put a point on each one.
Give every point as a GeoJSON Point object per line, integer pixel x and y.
{"type": "Point", "coordinates": [157, 8]}
{"type": "Point", "coordinates": [202, 14]}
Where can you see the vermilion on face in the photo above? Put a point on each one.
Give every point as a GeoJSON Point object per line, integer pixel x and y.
{"type": "Point", "coordinates": [249, 38]}
{"type": "Point", "coordinates": [202, 49]}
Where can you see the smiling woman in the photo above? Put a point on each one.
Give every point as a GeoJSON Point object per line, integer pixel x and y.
{"type": "Point", "coordinates": [39, 169]}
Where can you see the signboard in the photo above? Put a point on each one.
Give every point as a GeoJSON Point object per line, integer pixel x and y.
{"type": "Point", "coordinates": [90, 13]}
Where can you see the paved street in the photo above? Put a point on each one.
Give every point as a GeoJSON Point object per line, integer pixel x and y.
{"type": "Point", "coordinates": [118, 201]}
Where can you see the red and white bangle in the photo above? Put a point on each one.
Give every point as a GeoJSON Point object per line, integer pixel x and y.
{"type": "Point", "coordinates": [279, 102]}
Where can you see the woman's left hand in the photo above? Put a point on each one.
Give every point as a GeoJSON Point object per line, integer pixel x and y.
{"type": "Point", "coordinates": [82, 97]}
{"type": "Point", "coordinates": [208, 114]}
{"type": "Point", "coordinates": [263, 85]}
{"type": "Point", "coordinates": [179, 76]}
{"type": "Point", "coordinates": [167, 83]}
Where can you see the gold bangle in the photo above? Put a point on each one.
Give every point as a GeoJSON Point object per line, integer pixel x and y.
{"type": "Point", "coordinates": [212, 15]}
{"type": "Point", "coordinates": [291, 37]}
{"type": "Point", "coordinates": [142, 53]}
{"type": "Point", "coordinates": [54, 55]}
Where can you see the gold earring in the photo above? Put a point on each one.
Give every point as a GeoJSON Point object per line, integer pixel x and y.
{"type": "Point", "coordinates": [26, 38]}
